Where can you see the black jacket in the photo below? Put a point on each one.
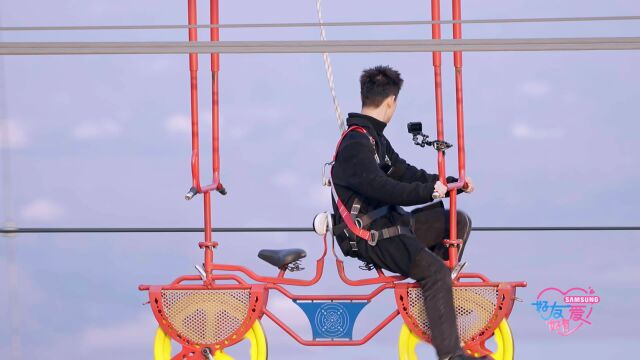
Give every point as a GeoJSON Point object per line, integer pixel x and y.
{"type": "Point", "coordinates": [391, 182]}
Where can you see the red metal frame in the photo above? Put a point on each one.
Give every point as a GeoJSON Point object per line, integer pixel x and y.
{"type": "Point", "coordinates": [214, 280]}
{"type": "Point", "coordinates": [260, 290]}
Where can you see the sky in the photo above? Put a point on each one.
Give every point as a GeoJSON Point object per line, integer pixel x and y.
{"type": "Point", "coordinates": [104, 141]}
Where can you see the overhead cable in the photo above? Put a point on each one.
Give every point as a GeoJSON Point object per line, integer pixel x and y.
{"type": "Point", "coordinates": [313, 24]}
{"type": "Point", "coordinates": [86, 230]}
{"type": "Point", "coordinates": [313, 46]}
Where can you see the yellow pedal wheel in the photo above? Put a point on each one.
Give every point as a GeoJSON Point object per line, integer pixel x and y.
{"type": "Point", "coordinates": [162, 345]}
{"type": "Point", "coordinates": [408, 341]}
{"type": "Point", "coordinates": [255, 336]}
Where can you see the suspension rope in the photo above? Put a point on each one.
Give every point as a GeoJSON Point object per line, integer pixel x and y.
{"type": "Point", "coordinates": [10, 231]}
{"type": "Point", "coordinates": [6, 205]}
{"type": "Point", "coordinates": [331, 46]}
{"type": "Point", "coordinates": [329, 70]}
{"type": "Point", "coordinates": [309, 24]}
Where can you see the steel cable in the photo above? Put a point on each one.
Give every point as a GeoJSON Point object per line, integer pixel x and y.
{"type": "Point", "coordinates": [71, 230]}
{"type": "Point", "coordinates": [314, 46]}
{"type": "Point", "coordinates": [311, 24]}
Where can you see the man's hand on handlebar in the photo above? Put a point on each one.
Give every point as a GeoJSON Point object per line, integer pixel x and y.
{"type": "Point", "coordinates": [440, 190]}
{"type": "Point", "coordinates": [468, 185]}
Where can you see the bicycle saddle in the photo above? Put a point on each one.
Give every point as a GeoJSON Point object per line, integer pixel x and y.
{"type": "Point", "coordinates": [281, 258]}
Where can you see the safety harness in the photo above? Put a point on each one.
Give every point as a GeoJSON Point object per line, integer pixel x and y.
{"type": "Point", "coordinates": [354, 226]}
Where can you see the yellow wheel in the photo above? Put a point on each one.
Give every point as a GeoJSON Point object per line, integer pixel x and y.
{"type": "Point", "coordinates": [408, 341]}
{"type": "Point", "coordinates": [256, 337]}
{"type": "Point", "coordinates": [162, 346]}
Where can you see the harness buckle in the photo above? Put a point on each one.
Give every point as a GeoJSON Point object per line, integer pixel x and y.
{"type": "Point", "coordinates": [373, 240]}
{"type": "Point", "coordinates": [358, 222]}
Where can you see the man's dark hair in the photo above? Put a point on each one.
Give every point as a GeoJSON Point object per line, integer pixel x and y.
{"type": "Point", "coordinates": [377, 84]}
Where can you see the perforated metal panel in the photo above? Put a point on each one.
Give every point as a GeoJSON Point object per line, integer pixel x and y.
{"type": "Point", "coordinates": [474, 307]}
{"type": "Point", "coordinates": [206, 316]}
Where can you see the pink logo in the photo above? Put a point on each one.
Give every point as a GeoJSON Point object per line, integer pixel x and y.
{"type": "Point", "coordinates": [565, 312]}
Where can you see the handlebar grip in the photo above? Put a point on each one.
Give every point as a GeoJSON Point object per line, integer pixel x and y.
{"type": "Point", "coordinates": [222, 190]}
{"type": "Point", "coordinates": [436, 196]}
{"type": "Point", "coordinates": [191, 193]}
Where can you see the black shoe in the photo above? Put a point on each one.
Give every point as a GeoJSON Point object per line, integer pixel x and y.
{"type": "Point", "coordinates": [461, 355]}
{"type": "Point", "coordinates": [469, 357]}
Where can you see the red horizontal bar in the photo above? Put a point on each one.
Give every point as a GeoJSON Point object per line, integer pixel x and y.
{"type": "Point", "coordinates": [367, 297]}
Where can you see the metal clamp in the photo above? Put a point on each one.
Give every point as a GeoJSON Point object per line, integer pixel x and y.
{"type": "Point", "coordinates": [366, 266]}
{"type": "Point", "coordinates": [373, 240]}
{"type": "Point", "coordinates": [441, 145]}
{"type": "Point", "coordinates": [293, 267]}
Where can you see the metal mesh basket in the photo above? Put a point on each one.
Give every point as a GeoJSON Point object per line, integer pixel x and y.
{"type": "Point", "coordinates": [206, 316]}
{"type": "Point", "coordinates": [474, 308]}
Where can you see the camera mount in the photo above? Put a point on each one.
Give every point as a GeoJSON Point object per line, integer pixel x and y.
{"type": "Point", "coordinates": [422, 140]}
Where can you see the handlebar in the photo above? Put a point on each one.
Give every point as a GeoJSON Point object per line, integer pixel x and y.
{"type": "Point", "coordinates": [194, 191]}
{"type": "Point", "coordinates": [452, 186]}
{"type": "Point", "coordinates": [456, 185]}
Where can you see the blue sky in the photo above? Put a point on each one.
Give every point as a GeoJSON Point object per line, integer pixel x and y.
{"type": "Point", "coordinates": [104, 141]}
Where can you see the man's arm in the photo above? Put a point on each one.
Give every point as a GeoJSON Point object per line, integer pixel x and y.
{"type": "Point", "coordinates": [357, 169]}
{"type": "Point", "coordinates": [401, 170]}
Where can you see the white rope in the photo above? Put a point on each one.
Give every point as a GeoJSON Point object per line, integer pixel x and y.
{"type": "Point", "coordinates": [329, 71]}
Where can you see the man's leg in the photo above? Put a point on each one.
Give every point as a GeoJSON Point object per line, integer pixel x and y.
{"type": "Point", "coordinates": [435, 281]}
{"type": "Point", "coordinates": [431, 226]}
{"type": "Point", "coordinates": [407, 256]}
{"type": "Point", "coordinates": [464, 230]}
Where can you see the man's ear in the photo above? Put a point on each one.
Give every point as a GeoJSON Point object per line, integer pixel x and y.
{"type": "Point", "coordinates": [389, 101]}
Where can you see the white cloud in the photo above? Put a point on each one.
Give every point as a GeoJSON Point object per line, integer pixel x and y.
{"type": "Point", "coordinates": [13, 135]}
{"type": "Point", "coordinates": [130, 333]}
{"type": "Point", "coordinates": [535, 88]}
{"type": "Point", "coordinates": [525, 131]}
{"type": "Point", "coordinates": [285, 179]}
{"type": "Point", "coordinates": [178, 124]}
{"type": "Point", "coordinates": [288, 311]}
{"type": "Point", "coordinates": [96, 130]}
{"type": "Point", "coordinates": [21, 288]}
{"type": "Point", "coordinates": [42, 210]}
{"type": "Point", "coordinates": [319, 197]}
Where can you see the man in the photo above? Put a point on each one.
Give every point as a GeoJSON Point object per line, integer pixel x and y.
{"type": "Point", "coordinates": [372, 182]}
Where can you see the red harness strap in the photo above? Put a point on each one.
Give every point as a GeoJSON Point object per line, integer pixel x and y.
{"type": "Point", "coordinates": [370, 236]}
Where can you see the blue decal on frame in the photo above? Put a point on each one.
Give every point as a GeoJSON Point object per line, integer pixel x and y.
{"type": "Point", "coordinates": [331, 319]}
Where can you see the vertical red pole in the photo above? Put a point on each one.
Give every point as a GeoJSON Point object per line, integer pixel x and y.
{"type": "Point", "coordinates": [215, 108]}
{"type": "Point", "coordinates": [193, 71]}
{"type": "Point", "coordinates": [209, 245]}
{"type": "Point", "coordinates": [457, 62]}
{"type": "Point", "coordinates": [437, 74]}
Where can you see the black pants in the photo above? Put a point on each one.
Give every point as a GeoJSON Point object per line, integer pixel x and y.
{"type": "Point", "coordinates": [421, 258]}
